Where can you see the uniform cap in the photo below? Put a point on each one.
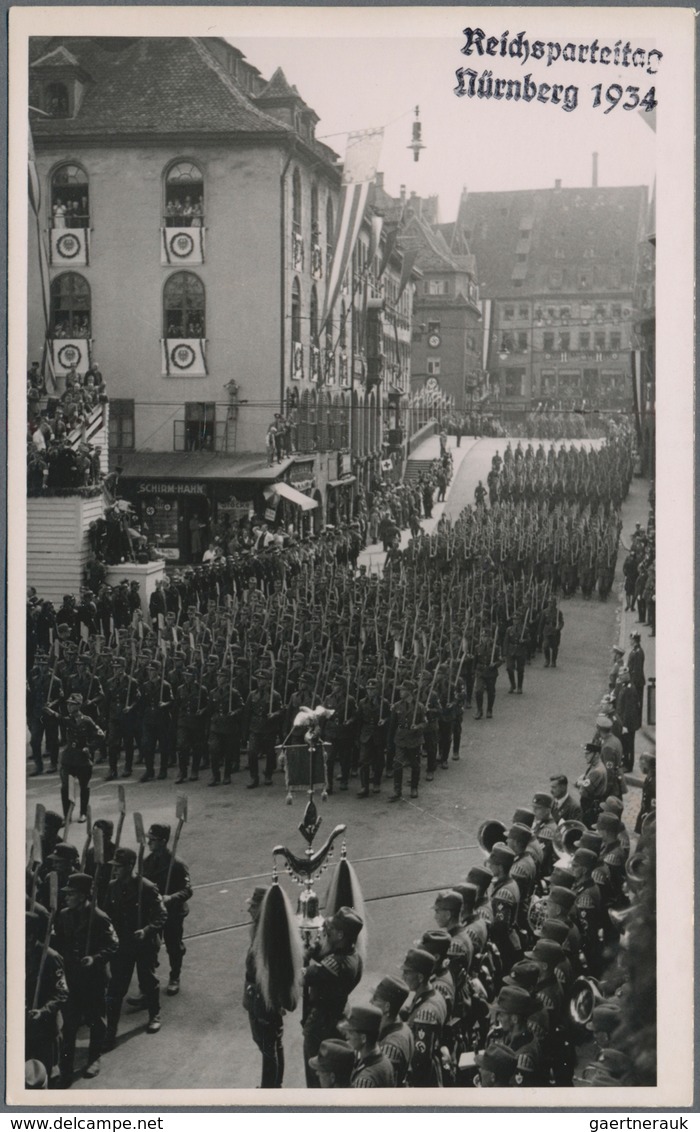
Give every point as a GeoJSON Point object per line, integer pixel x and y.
{"type": "Point", "coordinates": [618, 650]}
{"type": "Point", "coordinates": [363, 1019]}
{"type": "Point", "coordinates": [469, 894]}
{"type": "Point", "coordinates": [542, 799]}
{"type": "Point", "coordinates": [501, 855]}
{"type": "Point", "coordinates": [347, 921]}
{"type": "Point", "coordinates": [436, 942]}
{"type": "Point", "coordinates": [608, 822]}
{"type": "Point", "coordinates": [480, 877]}
{"type": "Point", "coordinates": [546, 951]}
{"type": "Point", "coordinates": [261, 674]}
{"type": "Point", "coordinates": [334, 1056]}
{"type": "Point", "coordinates": [497, 1059]}
{"type": "Point", "coordinates": [562, 897]}
{"type": "Point", "coordinates": [64, 853]}
{"type": "Point", "coordinates": [603, 722]}
{"type": "Point", "coordinates": [448, 901]}
{"type": "Point", "coordinates": [159, 832]}
{"type": "Point", "coordinates": [515, 1000]}
{"type": "Point", "coordinates": [124, 857]}
{"type": "Point", "coordinates": [408, 686]}
{"type": "Point", "coordinates": [606, 1017]}
{"type": "Point", "coordinates": [372, 683]}
{"type": "Point", "coordinates": [591, 840]}
{"type": "Point", "coordinates": [521, 833]}
{"type": "Point", "coordinates": [420, 961]}
{"type": "Point", "coordinates": [105, 825]}
{"type": "Point", "coordinates": [79, 882]}
{"type": "Point", "coordinates": [523, 816]}
{"type": "Point", "coordinates": [391, 990]}
{"type": "Point", "coordinates": [585, 858]}
{"type": "Point", "coordinates": [258, 894]}
{"type": "Point", "coordinates": [613, 806]}
{"type": "Point", "coordinates": [52, 820]}
{"type": "Point", "coordinates": [75, 698]}
{"type": "Point", "coordinates": [555, 930]}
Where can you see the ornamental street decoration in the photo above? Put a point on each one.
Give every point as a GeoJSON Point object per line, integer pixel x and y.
{"type": "Point", "coordinates": [315, 363]}
{"type": "Point", "coordinates": [297, 252]}
{"type": "Point", "coordinates": [70, 246]}
{"type": "Point", "coordinates": [181, 245]}
{"type": "Point", "coordinates": [68, 352]}
{"type": "Point", "coordinates": [316, 262]}
{"type": "Point", "coordinates": [184, 357]}
{"type": "Point", "coordinates": [297, 361]}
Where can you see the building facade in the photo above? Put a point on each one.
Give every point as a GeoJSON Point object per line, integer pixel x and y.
{"type": "Point", "coordinates": [189, 215]}
{"type": "Point", "coordinates": [557, 271]}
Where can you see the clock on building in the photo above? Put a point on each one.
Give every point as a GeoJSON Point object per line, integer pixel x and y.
{"type": "Point", "coordinates": [434, 341]}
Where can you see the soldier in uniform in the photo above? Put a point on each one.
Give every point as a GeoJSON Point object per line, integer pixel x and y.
{"type": "Point", "coordinates": [372, 1068]}
{"type": "Point", "coordinates": [425, 1017]}
{"type": "Point", "coordinates": [504, 895]}
{"type": "Point", "coordinates": [266, 1024]}
{"type": "Point", "coordinates": [592, 785]}
{"type": "Point", "coordinates": [226, 707]}
{"type": "Point", "coordinates": [76, 760]}
{"type": "Point", "coordinates": [395, 1036]}
{"type": "Point", "coordinates": [512, 1009]}
{"type": "Point", "coordinates": [373, 718]}
{"type": "Point", "coordinates": [123, 708]}
{"type": "Point", "coordinates": [635, 667]}
{"type": "Point", "coordinates": [138, 914]}
{"type": "Point", "coordinates": [515, 653]}
{"type": "Point", "coordinates": [488, 661]}
{"type": "Point", "coordinates": [433, 712]}
{"type": "Point", "coordinates": [647, 764]}
{"type": "Point", "coordinates": [588, 908]}
{"type": "Point", "coordinates": [333, 970]}
{"type": "Point", "coordinates": [523, 870]}
{"type": "Point", "coordinates": [611, 756]}
{"type": "Point", "coordinates": [339, 732]}
{"type": "Point", "coordinates": [628, 708]}
{"type": "Point", "coordinates": [552, 625]}
{"type": "Point", "coordinates": [193, 709]}
{"type": "Point", "coordinates": [172, 879]}
{"type": "Point", "coordinates": [497, 1066]}
{"type": "Point", "coordinates": [156, 695]}
{"type": "Point", "coordinates": [42, 1006]}
{"type": "Point", "coordinates": [405, 738]}
{"type": "Point", "coordinates": [545, 829]}
{"type": "Point", "coordinates": [45, 696]}
{"type": "Point", "coordinates": [261, 723]}
{"type": "Point", "coordinates": [86, 941]}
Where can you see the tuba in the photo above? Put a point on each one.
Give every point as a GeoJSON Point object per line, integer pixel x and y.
{"type": "Point", "coordinates": [489, 833]}
{"type": "Point", "coordinates": [537, 913]}
{"type": "Point", "coordinates": [585, 996]}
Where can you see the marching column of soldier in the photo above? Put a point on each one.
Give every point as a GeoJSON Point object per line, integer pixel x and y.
{"type": "Point", "coordinates": [226, 665]}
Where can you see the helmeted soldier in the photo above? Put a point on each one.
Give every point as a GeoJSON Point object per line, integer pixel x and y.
{"type": "Point", "coordinates": [406, 737]}
{"type": "Point", "coordinates": [172, 879]}
{"type": "Point", "coordinates": [225, 722]}
{"type": "Point", "coordinates": [373, 713]}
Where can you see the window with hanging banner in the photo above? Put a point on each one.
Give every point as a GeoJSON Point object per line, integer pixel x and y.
{"type": "Point", "coordinates": [160, 517]}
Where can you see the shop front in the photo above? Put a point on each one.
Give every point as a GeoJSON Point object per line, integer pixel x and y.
{"type": "Point", "coordinates": [295, 502]}
{"type": "Point", "coordinates": [340, 492]}
{"type": "Point", "coordinates": [183, 500]}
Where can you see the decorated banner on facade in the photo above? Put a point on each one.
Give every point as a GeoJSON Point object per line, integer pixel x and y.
{"type": "Point", "coordinates": [181, 245]}
{"type": "Point", "coordinates": [297, 361]}
{"type": "Point", "coordinates": [69, 352]}
{"type": "Point", "coordinates": [184, 357]}
{"type": "Point", "coordinates": [70, 247]}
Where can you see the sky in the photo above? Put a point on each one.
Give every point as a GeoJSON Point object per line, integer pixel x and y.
{"type": "Point", "coordinates": [486, 145]}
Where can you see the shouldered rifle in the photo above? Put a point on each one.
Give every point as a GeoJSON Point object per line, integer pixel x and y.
{"type": "Point", "coordinates": [88, 839]}
{"type": "Point", "coordinates": [181, 815]}
{"type": "Point", "coordinates": [53, 908]}
{"type": "Point", "coordinates": [98, 838]}
{"type": "Point", "coordinates": [121, 794]}
{"type": "Point", "coordinates": [68, 819]}
{"type": "Point", "coordinates": [141, 838]}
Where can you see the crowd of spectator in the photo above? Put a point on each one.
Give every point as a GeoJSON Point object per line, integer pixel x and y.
{"type": "Point", "coordinates": [70, 213]}
{"type": "Point", "coordinates": [187, 213]}
{"type": "Point", "coordinates": [56, 460]}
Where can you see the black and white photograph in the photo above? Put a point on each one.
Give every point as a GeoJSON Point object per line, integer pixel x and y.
{"type": "Point", "coordinates": [335, 526]}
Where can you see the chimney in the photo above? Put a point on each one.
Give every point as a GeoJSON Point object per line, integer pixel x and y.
{"type": "Point", "coordinates": [379, 180]}
{"type": "Point", "coordinates": [594, 180]}
{"type": "Point", "coordinates": [402, 193]}
{"type": "Point", "coordinates": [557, 184]}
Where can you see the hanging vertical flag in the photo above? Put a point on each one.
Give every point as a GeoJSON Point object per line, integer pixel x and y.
{"type": "Point", "coordinates": [409, 258]}
{"type": "Point", "coordinates": [34, 186]}
{"type": "Point", "coordinates": [361, 160]}
{"type": "Point", "coordinates": [486, 311]}
{"type": "Point", "coordinates": [375, 236]}
{"type": "Point", "coordinates": [636, 365]}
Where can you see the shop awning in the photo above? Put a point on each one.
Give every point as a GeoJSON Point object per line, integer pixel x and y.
{"type": "Point", "coordinates": [294, 496]}
{"type": "Point", "coordinates": [343, 482]}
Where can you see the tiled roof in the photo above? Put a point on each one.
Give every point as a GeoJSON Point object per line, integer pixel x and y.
{"type": "Point", "coordinates": [562, 233]}
{"type": "Point", "coordinates": [159, 85]}
{"type": "Point", "coordinates": [278, 87]}
{"type": "Point", "coordinates": [59, 57]}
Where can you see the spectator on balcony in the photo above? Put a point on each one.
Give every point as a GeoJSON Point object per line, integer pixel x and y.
{"type": "Point", "coordinates": [197, 213]}
{"type": "Point", "coordinates": [59, 215]}
{"type": "Point", "coordinates": [271, 444]}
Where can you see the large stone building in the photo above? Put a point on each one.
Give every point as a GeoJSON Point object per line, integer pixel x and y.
{"type": "Point", "coordinates": [189, 216]}
{"type": "Point", "coordinates": [556, 272]}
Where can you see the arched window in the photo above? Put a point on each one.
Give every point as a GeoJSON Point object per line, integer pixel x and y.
{"type": "Point", "coordinates": [296, 311]}
{"type": "Point", "coordinates": [304, 441]}
{"type": "Point", "coordinates": [57, 100]}
{"type": "Point", "coordinates": [296, 202]}
{"type": "Point", "coordinates": [70, 306]}
{"type": "Point", "coordinates": [330, 231]}
{"type": "Point", "coordinates": [313, 317]}
{"type": "Point", "coordinates": [70, 198]}
{"type": "Point", "coordinates": [184, 196]}
{"type": "Point", "coordinates": [183, 306]}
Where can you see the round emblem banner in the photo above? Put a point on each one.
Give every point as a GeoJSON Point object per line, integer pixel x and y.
{"type": "Point", "coordinates": [68, 246]}
{"type": "Point", "coordinates": [182, 356]}
{"type": "Point", "coordinates": [68, 356]}
{"type": "Point", "coordinates": [182, 245]}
